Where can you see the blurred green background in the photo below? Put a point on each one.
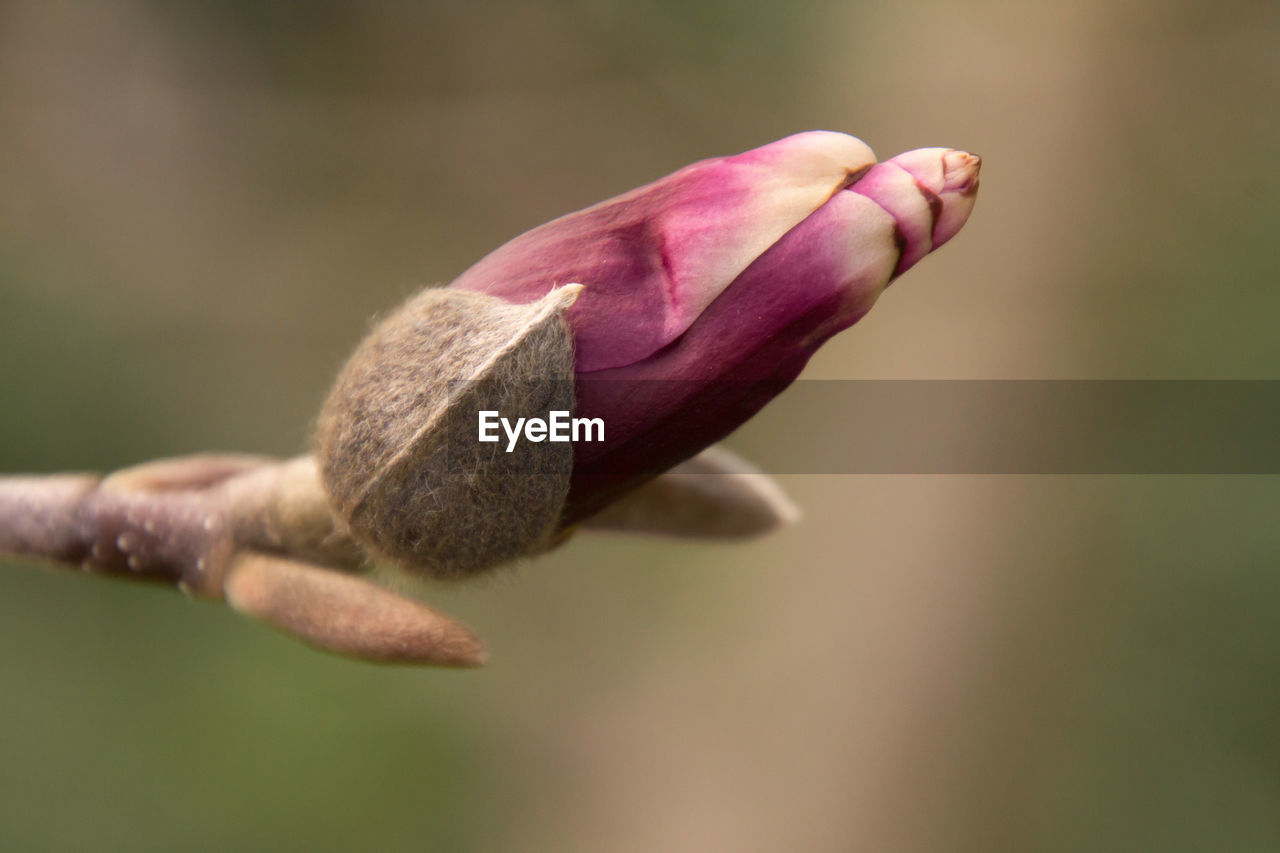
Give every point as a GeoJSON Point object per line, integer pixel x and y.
{"type": "Point", "coordinates": [202, 204]}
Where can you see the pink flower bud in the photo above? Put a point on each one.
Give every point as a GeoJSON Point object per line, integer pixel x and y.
{"type": "Point", "coordinates": [706, 292]}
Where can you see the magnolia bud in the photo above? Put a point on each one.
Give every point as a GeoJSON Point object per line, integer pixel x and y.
{"type": "Point", "coordinates": [396, 439]}
{"type": "Point", "coordinates": [706, 292]}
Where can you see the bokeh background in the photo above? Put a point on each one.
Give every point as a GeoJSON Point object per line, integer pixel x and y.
{"type": "Point", "coordinates": [203, 203]}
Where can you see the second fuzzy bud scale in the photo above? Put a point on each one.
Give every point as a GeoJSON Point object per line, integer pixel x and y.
{"type": "Point", "coordinates": [396, 439]}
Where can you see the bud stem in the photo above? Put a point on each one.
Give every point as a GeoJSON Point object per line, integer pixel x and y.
{"type": "Point", "coordinates": [40, 517]}
{"type": "Point", "coordinates": [222, 526]}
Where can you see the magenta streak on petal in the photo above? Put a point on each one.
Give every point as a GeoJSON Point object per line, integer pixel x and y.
{"type": "Point", "coordinates": [622, 249]}
{"type": "Point", "coordinates": [747, 346]}
{"type": "Point", "coordinates": [632, 252]}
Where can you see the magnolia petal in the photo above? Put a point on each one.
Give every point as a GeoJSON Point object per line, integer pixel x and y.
{"type": "Point", "coordinates": [660, 254]}
{"type": "Point", "coordinates": [911, 205]}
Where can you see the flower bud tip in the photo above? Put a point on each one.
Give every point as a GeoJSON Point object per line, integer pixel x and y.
{"type": "Point", "coordinates": [960, 171]}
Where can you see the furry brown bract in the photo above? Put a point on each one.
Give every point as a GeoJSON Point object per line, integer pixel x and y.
{"type": "Point", "coordinates": [396, 439]}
